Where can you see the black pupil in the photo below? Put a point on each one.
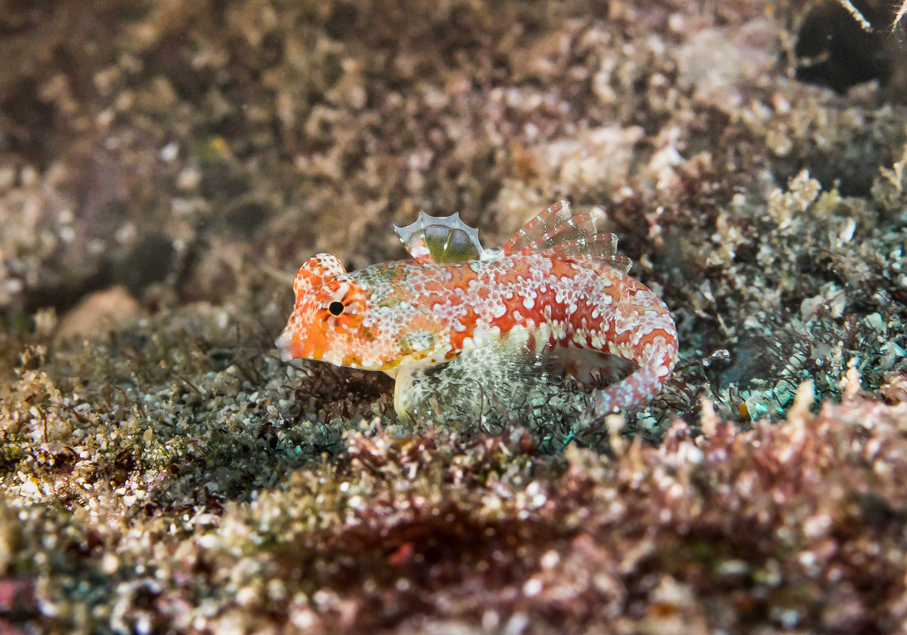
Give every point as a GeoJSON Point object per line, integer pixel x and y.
{"type": "Point", "coordinates": [336, 308]}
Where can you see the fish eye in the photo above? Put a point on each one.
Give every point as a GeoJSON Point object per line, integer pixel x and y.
{"type": "Point", "coordinates": [336, 308]}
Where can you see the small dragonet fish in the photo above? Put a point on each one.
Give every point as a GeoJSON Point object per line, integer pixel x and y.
{"type": "Point", "coordinates": [556, 289]}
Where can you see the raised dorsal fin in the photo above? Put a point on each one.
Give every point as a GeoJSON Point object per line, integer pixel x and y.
{"type": "Point", "coordinates": [580, 227]}
{"type": "Point", "coordinates": [558, 232]}
{"type": "Point", "coordinates": [440, 240]}
{"type": "Point", "coordinates": [525, 240]}
{"type": "Point", "coordinates": [600, 247]}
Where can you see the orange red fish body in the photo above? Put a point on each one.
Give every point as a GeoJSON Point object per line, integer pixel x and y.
{"type": "Point", "coordinates": [558, 285]}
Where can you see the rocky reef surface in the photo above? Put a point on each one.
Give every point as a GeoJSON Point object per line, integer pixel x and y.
{"type": "Point", "coordinates": [165, 166]}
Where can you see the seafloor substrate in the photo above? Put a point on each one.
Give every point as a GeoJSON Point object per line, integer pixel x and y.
{"type": "Point", "coordinates": [166, 166]}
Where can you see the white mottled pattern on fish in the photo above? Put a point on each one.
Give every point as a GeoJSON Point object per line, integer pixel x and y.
{"type": "Point", "coordinates": [558, 280]}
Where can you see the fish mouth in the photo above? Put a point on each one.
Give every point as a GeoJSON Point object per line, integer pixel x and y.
{"type": "Point", "coordinates": [284, 344]}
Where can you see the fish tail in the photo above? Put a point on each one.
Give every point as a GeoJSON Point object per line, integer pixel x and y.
{"type": "Point", "coordinates": [656, 358]}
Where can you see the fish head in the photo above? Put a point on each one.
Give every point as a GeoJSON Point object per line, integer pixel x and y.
{"type": "Point", "coordinates": [359, 320]}
{"type": "Point", "coordinates": [327, 316]}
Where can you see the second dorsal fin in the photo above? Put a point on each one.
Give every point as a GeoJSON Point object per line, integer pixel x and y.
{"type": "Point", "coordinates": [600, 247]}
{"type": "Point", "coordinates": [528, 238]}
{"type": "Point", "coordinates": [557, 224]}
{"type": "Point", "coordinates": [560, 233]}
{"type": "Point", "coordinates": [440, 240]}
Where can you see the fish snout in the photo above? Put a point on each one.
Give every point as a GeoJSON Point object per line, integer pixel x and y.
{"type": "Point", "coordinates": [288, 348]}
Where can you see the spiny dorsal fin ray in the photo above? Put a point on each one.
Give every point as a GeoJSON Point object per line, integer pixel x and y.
{"type": "Point", "coordinates": [538, 227]}
{"type": "Point", "coordinates": [580, 227]}
{"type": "Point", "coordinates": [600, 247]}
{"type": "Point", "coordinates": [441, 240]}
{"type": "Point", "coordinates": [557, 230]}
